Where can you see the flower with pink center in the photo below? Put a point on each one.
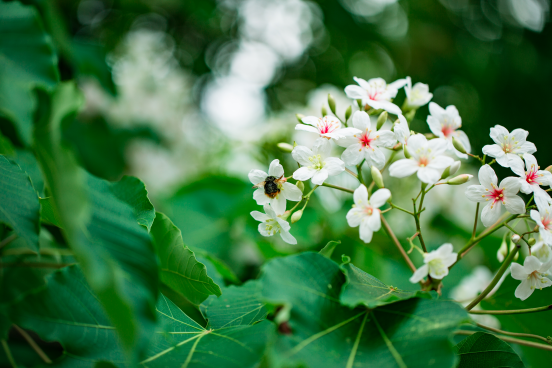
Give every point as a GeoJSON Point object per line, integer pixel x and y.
{"type": "Point", "coordinates": [366, 144]}
{"type": "Point", "coordinates": [495, 195]}
{"type": "Point", "coordinates": [531, 178]}
{"type": "Point", "coordinates": [366, 213]}
{"type": "Point", "coordinates": [532, 276]}
{"type": "Point", "coordinates": [444, 123]}
{"type": "Point", "coordinates": [376, 93]}
{"type": "Point", "coordinates": [543, 218]}
{"type": "Point", "coordinates": [327, 127]}
{"type": "Point", "coordinates": [426, 159]}
{"type": "Point", "coordinates": [509, 146]}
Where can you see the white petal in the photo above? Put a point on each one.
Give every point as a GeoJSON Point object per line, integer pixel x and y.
{"type": "Point", "coordinates": [487, 177]}
{"type": "Point", "coordinates": [498, 132]}
{"type": "Point", "coordinates": [260, 197]}
{"type": "Point", "coordinates": [322, 147]}
{"type": "Point", "coordinates": [257, 176]}
{"type": "Point", "coordinates": [528, 147]}
{"type": "Point", "coordinates": [416, 141]}
{"type": "Point", "coordinates": [365, 231]}
{"type": "Point", "coordinates": [304, 173]}
{"type": "Point", "coordinates": [511, 185]}
{"type": "Point", "coordinates": [435, 126]}
{"type": "Point", "coordinates": [445, 250]}
{"type": "Point", "coordinates": [361, 121]}
{"type": "Point", "coordinates": [301, 154]}
{"type": "Point", "coordinates": [436, 110]}
{"type": "Point", "coordinates": [403, 168]}
{"type": "Point", "coordinates": [535, 216]}
{"type": "Point", "coordinates": [291, 192]}
{"type": "Point", "coordinates": [514, 205]}
{"type": "Point", "coordinates": [375, 157]}
{"type": "Point", "coordinates": [360, 196]}
{"type": "Point", "coordinates": [374, 221]}
{"type": "Point", "coordinates": [379, 197]}
{"type": "Point", "coordinates": [518, 167]}
{"type": "Point", "coordinates": [399, 83]}
{"type": "Point", "coordinates": [429, 175]}
{"type": "Point", "coordinates": [319, 177]}
{"type": "Point", "coordinates": [270, 211]}
{"type": "Point", "coordinates": [259, 216]}
{"type": "Point", "coordinates": [518, 272]}
{"type": "Point", "coordinates": [334, 166]}
{"type": "Point", "coordinates": [493, 150]}
{"type": "Point", "coordinates": [531, 264]}
{"type": "Point", "coordinates": [438, 273]}
{"type": "Point", "coordinates": [355, 92]}
{"type": "Point", "coordinates": [353, 155]}
{"type": "Point", "coordinates": [278, 203]}
{"type": "Point", "coordinates": [307, 128]}
{"type": "Point", "coordinates": [386, 138]}
{"type": "Point", "coordinates": [519, 135]}
{"type": "Point", "coordinates": [311, 120]}
{"type": "Point", "coordinates": [524, 290]}
{"type": "Point", "coordinates": [354, 216]}
{"type": "Point", "coordinates": [441, 162]}
{"type": "Point", "coordinates": [503, 160]}
{"type": "Point", "coordinates": [275, 169]}
{"type": "Point", "coordinates": [387, 106]}
{"type": "Point", "coordinates": [530, 161]}
{"type": "Point", "coordinates": [438, 146]}
{"type": "Point", "coordinates": [419, 274]}
{"type": "Point", "coordinates": [463, 138]}
{"type": "Point", "coordinates": [490, 215]}
{"type": "Point", "coordinates": [450, 259]}
{"type": "Point", "coordinates": [287, 237]}
{"type": "Point", "coordinates": [542, 199]}
{"type": "Point", "coordinates": [262, 229]}
{"type": "Point", "coordinates": [476, 193]}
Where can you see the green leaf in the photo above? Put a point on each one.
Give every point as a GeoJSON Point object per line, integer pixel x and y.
{"type": "Point", "coordinates": [328, 249]}
{"type": "Point", "coordinates": [67, 311]}
{"type": "Point", "coordinates": [101, 229]}
{"type": "Point", "coordinates": [238, 305]}
{"type": "Point", "coordinates": [19, 205]}
{"type": "Point", "coordinates": [48, 213]}
{"type": "Point", "coordinates": [323, 333]}
{"type": "Point", "coordinates": [533, 323]}
{"type": "Point", "coordinates": [483, 350]}
{"type": "Point", "coordinates": [133, 191]}
{"type": "Point", "coordinates": [179, 269]}
{"type": "Point", "coordinates": [364, 289]}
{"type": "Point", "coordinates": [28, 60]}
{"type": "Point", "coordinates": [216, 266]}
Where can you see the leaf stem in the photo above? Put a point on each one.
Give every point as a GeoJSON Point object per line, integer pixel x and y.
{"type": "Point", "coordinates": [359, 170]}
{"type": "Point", "coordinates": [418, 227]}
{"type": "Point", "coordinates": [530, 336]}
{"type": "Point", "coordinates": [33, 344]}
{"type": "Point", "coordinates": [8, 240]}
{"type": "Point", "coordinates": [401, 209]}
{"type": "Point", "coordinates": [495, 280]}
{"type": "Point", "coordinates": [510, 339]}
{"type": "Point", "coordinates": [513, 311]}
{"type": "Point", "coordinates": [475, 221]}
{"type": "Point", "coordinates": [8, 353]}
{"type": "Point", "coordinates": [352, 173]}
{"type": "Point", "coordinates": [338, 188]}
{"type": "Point", "coordinates": [397, 243]}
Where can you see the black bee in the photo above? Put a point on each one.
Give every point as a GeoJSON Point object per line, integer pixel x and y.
{"type": "Point", "coordinates": [271, 187]}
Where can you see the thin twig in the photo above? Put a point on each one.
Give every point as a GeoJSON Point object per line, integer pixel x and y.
{"type": "Point", "coordinates": [352, 173]}
{"type": "Point", "coordinates": [512, 311]}
{"type": "Point", "coordinates": [401, 209]}
{"type": "Point", "coordinates": [398, 244]}
{"type": "Point", "coordinates": [33, 344]}
{"type": "Point", "coordinates": [475, 221]}
{"type": "Point", "coordinates": [8, 240]}
{"type": "Point", "coordinates": [510, 339]}
{"type": "Point", "coordinates": [338, 188]}
{"type": "Point", "coordinates": [8, 353]}
{"type": "Point", "coordinates": [36, 264]}
{"type": "Point", "coordinates": [530, 336]}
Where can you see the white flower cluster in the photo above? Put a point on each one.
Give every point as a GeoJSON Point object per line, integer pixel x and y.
{"type": "Point", "coordinates": [430, 156]}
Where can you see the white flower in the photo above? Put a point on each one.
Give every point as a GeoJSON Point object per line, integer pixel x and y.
{"type": "Point", "coordinates": [542, 251]}
{"type": "Point", "coordinates": [418, 95]}
{"type": "Point", "coordinates": [365, 212]}
{"type": "Point", "coordinates": [444, 123]}
{"type": "Point", "coordinates": [533, 178]}
{"type": "Point", "coordinates": [376, 93]}
{"type": "Point", "coordinates": [488, 191]}
{"type": "Point", "coordinates": [437, 263]}
{"type": "Point", "coordinates": [316, 163]}
{"type": "Point", "coordinates": [273, 187]}
{"type": "Point", "coordinates": [426, 159]}
{"type": "Point", "coordinates": [543, 218]}
{"type": "Point", "coordinates": [327, 127]}
{"type": "Point", "coordinates": [508, 145]}
{"type": "Point", "coordinates": [402, 131]}
{"type": "Point", "coordinates": [272, 224]}
{"type": "Point", "coordinates": [532, 276]}
{"type": "Point", "coordinates": [365, 143]}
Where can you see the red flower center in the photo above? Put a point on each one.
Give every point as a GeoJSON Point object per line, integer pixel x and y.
{"type": "Point", "coordinates": [496, 195]}
{"type": "Point", "coordinates": [365, 139]}
{"type": "Point", "coordinates": [531, 176]}
{"type": "Point", "coordinates": [447, 130]}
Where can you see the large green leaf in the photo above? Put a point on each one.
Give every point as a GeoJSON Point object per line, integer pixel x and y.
{"type": "Point", "coordinates": [101, 229]}
{"type": "Point", "coordinates": [179, 268]}
{"type": "Point", "coordinates": [67, 311]}
{"type": "Point", "coordinates": [238, 305]}
{"type": "Point", "coordinates": [533, 323]}
{"type": "Point", "coordinates": [362, 288]}
{"type": "Point", "coordinates": [483, 350]}
{"type": "Point", "coordinates": [133, 191]}
{"type": "Point", "coordinates": [323, 333]}
{"type": "Point", "coordinates": [19, 205]}
{"type": "Point", "coordinates": [27, 60]}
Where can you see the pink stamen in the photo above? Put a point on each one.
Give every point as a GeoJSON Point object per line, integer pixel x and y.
{"type": "Point", "coordinates": [496, 195]}
{"type": "Point", "coordinates": [447, 130]}
{"type": "Point", "coordinates": [365, 139]}
{"type": "Point", "coordinates": [531, 176]}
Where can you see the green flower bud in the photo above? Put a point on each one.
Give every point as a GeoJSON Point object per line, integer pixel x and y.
{"type": "Point", "coordinates": [451, 170]}
{"type": "Point", "coordinates": [381, 120]}
{"type": "Point", "coordinates": [460, 179]}
{"type": "Point", "coordinates": [331, 103]}
{"type": "Point", "coordinates": [410, 115]}
{"type": "Point", "coordinates": [285, 147]}
{"type": "Point", "coordinates": [406, 154]}
{"type": "Point", "coordinates": [376, 177]}
{"type": "Point", "coordinates": [459, 146]}
{"type": "Point", "coordinates": [348, 113]}
{"type": "Point", "coordinates": [359, 103]}
{"type": "Point", "coordinates": [299, 117]}
{"type": "Point", "coordinates": [549, 168]}
{"type": "Point", "coordinates": [300, 185]}
{"type": "Point", "coordinates": [296, 216]}
{"type": "Point", "coordinates": [531, 241]}
{"type": "Point", "coordinates": [324, 111]}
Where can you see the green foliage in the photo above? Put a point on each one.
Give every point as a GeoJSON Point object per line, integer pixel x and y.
{"type": "Point", "coordinates": [133, 192]}
{"type": "Point", "coordinates": [28, 60]}
{"type": "Point", "coordinates": [19, 205]}
{"type": "Point", "coordinates": [179, 269]}
{"type": "Point", "coordinates": [410, 333]}
{"type": "Point", "coordinates": [483, 350]}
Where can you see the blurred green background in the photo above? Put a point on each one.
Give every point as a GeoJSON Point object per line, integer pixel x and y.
{"type": "Point", "coordinates": [191, 95]}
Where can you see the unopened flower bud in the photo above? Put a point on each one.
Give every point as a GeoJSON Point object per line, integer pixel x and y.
{"type": "Point", "coordinates": [285, 147]}
{"type": "Point", "coordinates": [459, 146]}
{"type": "Point", "coordinates": [324, 111]}
{"type": "Point", "coordinates": [296, 216]}
{"type": "Point", "coordinates": [515, 238]}
{"type": "Point", "coordinates": [300, 185]}
{"type": "Point", "coordinates": [284, 216]}
{"type": "Point", "coordinates": [531, 241]}
{"type": "Point", "coordinates": [455, 167]}
{"type": "Point", "coordinates": [331, 103]}
{"type": "Point", "coordinates": [460, 179]}
{"type": "Point", "coordinates": [549, 168]}
{"type": "Point", "coordinates": [381, 120]}
{"type": "Point", "coordinates": [376, 177]}
{"type": "Point", "coordinates": [406, 154]}
{"type": "Point", "coordinates": [502, 251]}
{"type": "Point", "coordinates": [348, 112]}
{"type": "Point", "coordinates": [300, 117]}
